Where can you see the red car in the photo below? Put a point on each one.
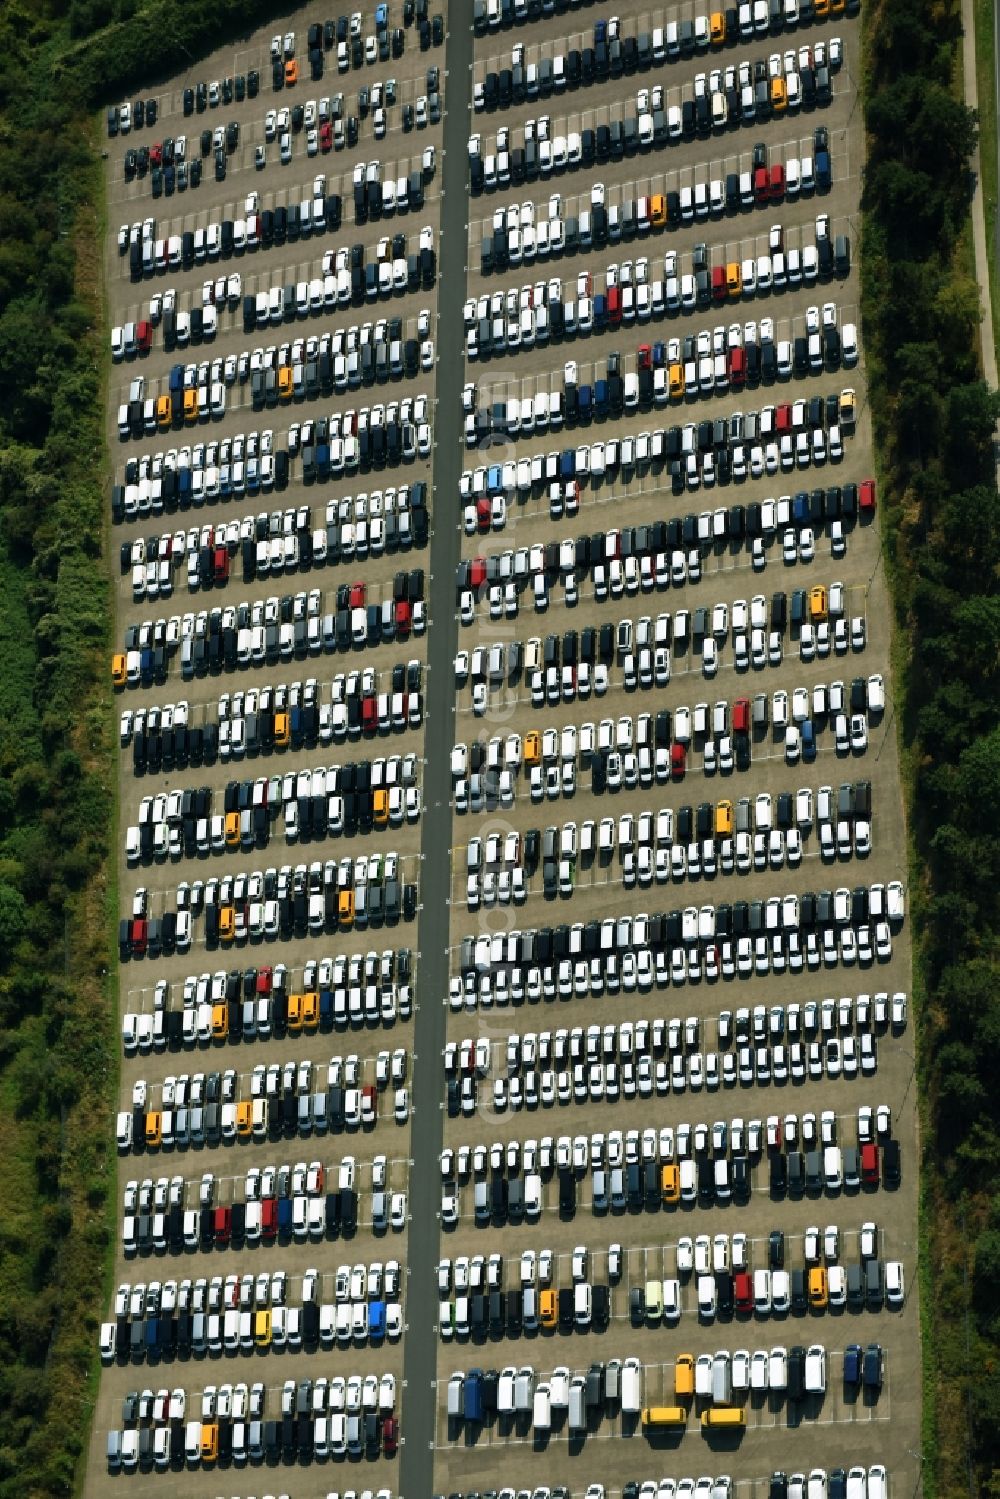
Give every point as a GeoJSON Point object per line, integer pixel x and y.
{"type": "Point", "coordinates": [390, 1436]}
{"type": "Point", "coordinates": [743, 1291]}
{"type": "Point", "coordinates": [678, 760]}
{"type": "Point", "coordinates": [357, 596]}
{"type": "Point", "coordinates": [222, 1225]}
{"type": "Point", "coordinates": [477, 573]}
{"type": "Point", "coordinates": [741, 715]}
{"type": "Point", "coordinates": [776, 182]}
{"type": "Point", "coordinates": [719, 283]}
{"type": "Point", "coordinates": [866, 494]}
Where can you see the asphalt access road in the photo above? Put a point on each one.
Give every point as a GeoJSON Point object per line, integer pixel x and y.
{"type": "Point", "coordinates": [420, 1351]}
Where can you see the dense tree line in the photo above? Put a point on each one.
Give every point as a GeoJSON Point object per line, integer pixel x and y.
{"type": "Point", "coordinates": [934, 421]}
{"type": "Point", "coordinates": [60, 60]}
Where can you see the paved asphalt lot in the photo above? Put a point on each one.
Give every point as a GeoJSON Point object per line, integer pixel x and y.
{"type": "Point", "coordinates": [433, 1459]}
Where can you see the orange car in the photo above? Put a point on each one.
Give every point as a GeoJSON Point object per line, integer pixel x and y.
{"type": "Point", "coordinates": [291, 72]}
{"type": "Point", "coordinates": [118, 669]}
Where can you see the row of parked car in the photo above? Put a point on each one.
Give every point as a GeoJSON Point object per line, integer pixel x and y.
{"type": "Point", "coordinates": [785, 436]}
{"type": "Point", "coordinates": [365, 988]}
{"type": "Point", "coordinates": [541, 146]}
{"type": "Point", "coordinates": [642, 1045]}
{"type": "Point", "coordinates": [364, 892]}
{"type": "Point", "coordinates": [637, 950]}
{"type": "Point", "coordinates": [503, 323]}
{"type": "Point", "coordinates": [310, 805]}
{"type": "Point", "coordinates": [249, 723]}
{"type": "Point", "coordinates": [207, 472]}
{"type": "Point", "coordinates": [598, 1082]}
{"type": "Point", "coordinates": [148, 1318]}
{"type": "Point", "coordinates": [498, 870]}
{"type": "Point", "coordinates": [526, 233]}
{"type": "Point", "coordinates": [266, 631]}
{"type": "Point", "coordinates": [634, 559]}
{"type": "Point", "coordinates": [347, 279]}
{"type": "Point", "coordinates": [716, 101]}
{"type": "Point", "coordinates": [647, 1184]}
{"type": "Point", "coordinates": [293, 1439]}
{"type": "Point", "coordinates": [273, 1081]}
{"type": "Point", "coordinates": [757, 1139]}
{"type": "Point", "coordinates": [658, 372]}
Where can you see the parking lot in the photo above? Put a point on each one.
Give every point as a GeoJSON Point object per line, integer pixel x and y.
{"type": "Point", "coordinates": [574, 745]}
{"type": "Point", "coordinates": [561, 794]}
{"type": "Point", "coordinates": [268, 1006]}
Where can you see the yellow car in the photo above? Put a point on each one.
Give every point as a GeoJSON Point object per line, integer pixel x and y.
{"type": "Point", "coordinates": [724, 819]}
{"type": "Point", "coordinates": [817, 602]}
{"type": "Point", "coordinates": [164, 412]}
{"type": "Point", "coordinates": [658, 210]}
{"type": "Point", "coordinates": [818, 1287]}
{"type": "Point", "coordinates": [345, 908]}
{"type": "Point", "coordinates": [548, 1308]}
{"type": "Point", "coordinates": [244, 1118]}
{"type": "Point", "coordinates": [532, 747]}
{"type": "Point", "coordinates": [310, 1010]}
{"type": "Point", "coordinates": [190, 405]}
{"type": "Point", "coordinates": [717, 28]}
{"type": "Point", "coordinates": [285, 383]}
{"type": "Point", "coordinates": [779, 95]}
{"type": "Point", "coordinates": [734, 279]}
{"type": "Point", "coordinates": [262, 1328]}
{"type": "Point", "coordinates": [118, 669]}
{"type": "Point", "coordinates": [670, 1183]}
{"type": "Point", "coordinates": [154, 1130]}
{"type": "Point", "coordinates": [232, 830]}
{"type": "Point", "coordinates": [220, 1021]}
{"type": "Point", "coordinates": [676, 378]}
{"type": "Point", "coordinates": [282, 730]}
{"type": "Point", "coordinates": [227, 923]}
{"type": "Point", "coordinates": [380, 807]}
{"type": "Point", "coordinates": [294, 1021]}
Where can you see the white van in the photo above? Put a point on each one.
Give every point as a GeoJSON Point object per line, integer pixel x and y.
{"type": "Point", "coordinates": [542, 1410]}
{"type": "Point", "coordinates": [505, 1390]}
{"type": "Point", "coordinates": [577, 1403]}
{"type": "Point", "coordinates": [455, 1383]}
{"type": "Point", "coordinates": [631, 1387]}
